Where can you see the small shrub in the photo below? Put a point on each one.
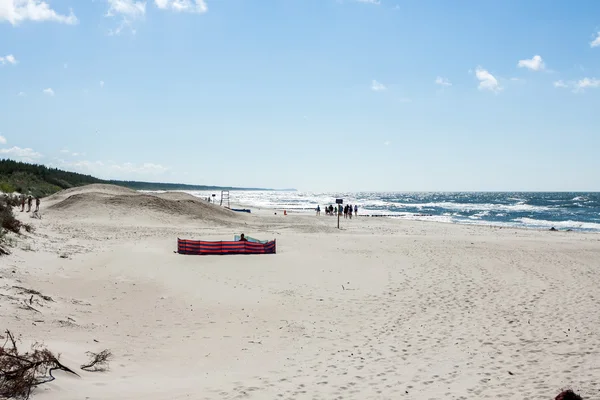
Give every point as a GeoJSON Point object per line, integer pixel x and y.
{"type": "Point", "coordinates": [12, 201]}
{"type": "Point", "coordinates": [21, 372]}
{"type": "Point", "coordinates": [7, 218]}
{"type": "Point", "coordinates": [6, 187]}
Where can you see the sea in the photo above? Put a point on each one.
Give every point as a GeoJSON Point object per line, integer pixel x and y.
{"type": "Point", "coordinates": [536, 210]}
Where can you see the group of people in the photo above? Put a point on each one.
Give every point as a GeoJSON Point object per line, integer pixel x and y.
{"type": "Point", "coordinates": [30, 203]}
{"type": "Point", "coordinates": [347, 210]}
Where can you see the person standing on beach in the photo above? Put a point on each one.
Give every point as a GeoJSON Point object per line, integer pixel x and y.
{"type": "Point", "coordinates": [29, 203]}
{"type": "Point", "coordinates": [350, 211]}
{"type": "Point", "coordinates": [37, 204]}
{"type": "Point", "coordinates": [318, 209]}
{"type": "Point", "coordinates": [355, 210]}
{"type": "Point", "coordinates": [22, 202]}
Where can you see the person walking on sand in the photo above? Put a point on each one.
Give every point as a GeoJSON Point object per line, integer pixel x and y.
{"type": "Point", "coordinates": [37, 204]}
{"type": "Point", "coordinates": [29, 202]}
{"type": "Point", "coordinates": [350, 211]}
{"type": "Point", "coordinates": [318, 209]}
{"type": "Point", "coordinates": [355, 210]}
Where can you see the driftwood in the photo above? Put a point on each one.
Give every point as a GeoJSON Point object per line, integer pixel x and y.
{"type": "Point", "coordinates": [98, 361]}
{"type": "Point", "coordinates": [20, 373]}
{"type": "Point", "coordinates": [33, 292]}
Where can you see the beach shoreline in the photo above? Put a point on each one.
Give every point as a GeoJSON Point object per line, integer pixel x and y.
{"type": "Point", "coordinates": [382, 308]}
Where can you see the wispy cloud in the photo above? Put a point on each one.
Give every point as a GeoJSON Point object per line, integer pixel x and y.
{"type": "Point", "coordinates": [580, 85]}
{"type": "Point", "coordinates": [534, 64]}
{"type": "Point", "coordinates": [17, 11]}
{"type": "Point", "coordinates": [376, 2]}
{"type": "Point", "coordinates": [101, 84]}
{"type": "Point", "coordinates": [377, 86]}
{"type": "Point", "coordinates": [129, 8]}
{"type": "Point", "coordinates": [487, 81]}
{"type": "Point", "coordinates": [2, 140]}
{"type": "Point", "coordinates": [586, 83]}
{"type": "Point", "coordinates": [596, 41]}
{"type": "Point", "coordinates": [560, 84]}
{"type": "Point", "coordinates": [23, 154]}
{"type": "Point", "coordinates": [8, 59]}
{"type": "Point", "coordinates": [48, 91]}
{"type": "Point", "coordinates": [21, 94]}
{"type": "Point", "coordinates": [191, 6]}
{"type": "Point", "coordinates": [111, 169]}
{"type": "Point", "coordinates": [442, 81]}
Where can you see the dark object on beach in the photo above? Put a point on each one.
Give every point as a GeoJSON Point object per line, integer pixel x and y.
{"type": "Point", "coordinates": [553, 229]}
{"type": "Point", "coordinates": [568, 395]}
{"type": "Point", "coordinates": [569, 230]}
{"type": "Point", "coordinates": [20, 373]}
{"type": "Point", "coordinates": [98, 361]}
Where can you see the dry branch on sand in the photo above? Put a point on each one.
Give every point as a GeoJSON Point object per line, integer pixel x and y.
{"type": "Point", "coordinates": [20, 373]}
{"type": "Point", "coordinates": [98, 361]}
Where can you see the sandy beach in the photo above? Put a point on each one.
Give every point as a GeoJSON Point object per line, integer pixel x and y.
{"type": "Point", "coordinates": [381, 309]}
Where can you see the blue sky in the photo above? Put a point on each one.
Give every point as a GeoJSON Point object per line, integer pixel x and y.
{"type": "Point", "coordinates": [312, 94]}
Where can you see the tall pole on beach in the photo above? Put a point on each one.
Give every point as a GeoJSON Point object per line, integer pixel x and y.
{"type": "Point", "coordinates": [337, 205]}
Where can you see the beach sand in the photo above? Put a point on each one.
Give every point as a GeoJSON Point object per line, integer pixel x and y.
{"type": "Point", "coordinates": [381, 309]}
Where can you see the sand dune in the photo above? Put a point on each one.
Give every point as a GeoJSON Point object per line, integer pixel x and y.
{"type": "Point", "coordinates": [97, 202]}
{"type": "Point", "coordinates": [382, 309]}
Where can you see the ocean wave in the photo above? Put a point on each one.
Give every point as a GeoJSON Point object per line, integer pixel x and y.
{"type": "Point", "coordinates": [569, 224]}
{"type": "Point", "coordinates": [475, 206]}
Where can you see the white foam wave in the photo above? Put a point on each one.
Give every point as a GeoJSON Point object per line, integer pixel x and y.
{"type": "Point", "coordinates": [475, 206]}
{"type": "Point", "coordinates": [540, 223]}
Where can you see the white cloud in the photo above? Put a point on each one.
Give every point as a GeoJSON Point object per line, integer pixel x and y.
{"type": "Point", "coordinates": [487, 81]}
{"type": "Point", "coordinates": [9, 59]}
{"type": "Point", "coordinates": [442, 81]}
{"type": "Point", "coordinates": [194, 6]}
{"type": "Point", "coordinates": [560, 84]}
{"type": "Point", "coordinates": [586, 83]}
{"type": "Point", "coordinates": [112, 170]}
{"type": "Point", "coordinates": [125, 23]}
{"type": "Point", "coordinates": [2, 140]}
{"type": "Point", "coordinates": [595, 42]}
{"type": "Point", "coordinates": [535, 64]}
{"type": "Point", "coordinates": [580, 85]}
{"type": "Point", "coordinates": [377, 87]}
{"type": "Point", "coordinates": [65, 151]}
{"type": "Point", "coordinates": [48, 91]}
{"type": "Point", "coordinates": [24, 154]}
{"type": "Point", "coordinates": [101, 84]}
{"type": "Point", "coordinates": [17, 11]}
{"type": "Point", "coordinates": [129, 8]}
{"type": "Point", "coordinates": [377, 2]}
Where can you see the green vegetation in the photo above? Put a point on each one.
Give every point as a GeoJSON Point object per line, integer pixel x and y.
{"type": "Point", "coordinates": [40, 181]}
